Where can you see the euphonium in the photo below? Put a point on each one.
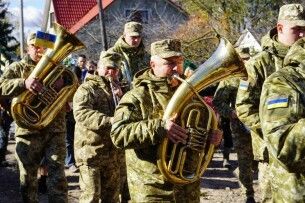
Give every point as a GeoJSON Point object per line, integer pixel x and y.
{"type": "Point", "coordinates": [115, 98]}
{"type": "Point", "coordinates": [37, 111]}
{"type": "Point", "coordinates": [186, 163]}
{"type": "Point", "coordinates": [126, 74]}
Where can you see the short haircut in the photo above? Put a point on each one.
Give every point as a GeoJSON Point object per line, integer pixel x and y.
{"type": "Point", "coordinates": [82, 55]}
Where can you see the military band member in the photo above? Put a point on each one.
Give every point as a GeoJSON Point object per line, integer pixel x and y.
{"type": "Point", "coordinates": [275, 46]}
{"type": "Point", "coordinates": [134, 58]}
{"type": "Point", "coordinates": [283, 124]}
{"type": "Point", "coordinates": [138, 126]}
{"type": "Point", "coordinates": [96, 156]}
{"type": "Point", "coordinates": [224, 101]}
{"type": "Point", "coordinates": [130, 45]}
{"type": "Point", "coordinates": [33, 145]}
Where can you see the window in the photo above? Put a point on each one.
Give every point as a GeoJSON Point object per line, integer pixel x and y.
{"type": "Point", "coordinates": [137, 15]}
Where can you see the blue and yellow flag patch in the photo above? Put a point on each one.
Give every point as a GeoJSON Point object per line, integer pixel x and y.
{"type": "Point", "coordinates": [278, 102]}
{"type": "Point", "coordinates": [45, 39]}
{"type": "Point", "coordinates": [243, 85]}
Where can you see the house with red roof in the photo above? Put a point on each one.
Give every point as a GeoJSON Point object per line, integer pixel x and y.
{"type": "Point", "coordinates": [160, 18]}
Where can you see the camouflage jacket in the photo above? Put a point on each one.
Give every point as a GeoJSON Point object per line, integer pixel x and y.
{"type": "Point", "coordinates": [12, 84]}
{"type": "Point", "coordinates": [248, 97]}
{"type": "Point", "coordinates": [138, 128]}
{"type": "Point", "coordinates": [136, 57]}
{"type": "Point", "coordinates": [282, 115]}
{"type": "Point", "coordinates": [225, 96]}
{"type": "Point", "coordinates": [92, 108]}
{"type": "Point", "coordinates": [224, 102]}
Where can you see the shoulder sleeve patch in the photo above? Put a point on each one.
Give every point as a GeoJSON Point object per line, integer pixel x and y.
{"type": "Point", "coordinates": [278, 102]}
{"type": "Point", "coordinates": [243, 85]}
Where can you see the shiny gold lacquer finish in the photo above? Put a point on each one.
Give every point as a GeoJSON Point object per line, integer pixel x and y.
{"type": "Point", "coordinates": [186, 163]}
{"type": "Point", "coordinates": [37, 111]}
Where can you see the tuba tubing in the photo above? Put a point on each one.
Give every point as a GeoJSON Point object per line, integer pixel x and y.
{"type": "Point", "coordinates": [224, 63]}
{"type": "Point", "coordinates": [37, 111]}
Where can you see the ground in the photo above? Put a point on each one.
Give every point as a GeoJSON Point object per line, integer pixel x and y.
{"type": "Point", "coordinates": [218, 185]}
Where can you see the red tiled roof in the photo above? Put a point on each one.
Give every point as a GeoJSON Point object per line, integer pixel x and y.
{"type": "Point", "coordinates": [74, 14]}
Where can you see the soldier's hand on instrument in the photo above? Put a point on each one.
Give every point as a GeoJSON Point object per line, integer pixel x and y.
{"type": "Point", "coordinates": [33, 85]}
{"type": "Point", "coordinates": [175, 132]}
{"type": "Point", "coordinates": [216, 137]}
{"type": "Point", "coordinates": [59, 83]}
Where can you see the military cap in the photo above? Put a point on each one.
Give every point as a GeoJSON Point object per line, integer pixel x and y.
{"type": "Point", "coordinates": [31, 38]}
{"type": "Point", "coordinates": [133, 29]}
{"type": "Point", "coordinates": [110, 59]}
{"type": "Point", "coordinates": [293, 13]}
{"type": "Point", "coordinates": [166, 48]}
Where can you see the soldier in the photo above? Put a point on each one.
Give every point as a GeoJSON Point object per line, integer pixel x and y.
{"type": "Point", "coordinates": [282, 120]}
{"type": "Point", "coordinates": [224, 101]}
{"type": "Point", "coordinates": [95, 154]}
{"type": "Point", "coordinates": [32, 145]}
{"type": "Point", "coordinates": [130, 45]}
{"type": "Point", "coordinates": [275, 46]}
{"type": "Point", "coordinates": [138, 126]}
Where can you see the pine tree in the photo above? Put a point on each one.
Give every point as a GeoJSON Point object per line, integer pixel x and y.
{"type": "Point", "coordinates": [8, 43]}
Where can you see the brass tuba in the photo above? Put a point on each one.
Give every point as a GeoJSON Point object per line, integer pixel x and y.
{"type": "Point", "coordinates": [186, 163]}
{"type": "Point", "coordinates": [37, 111]}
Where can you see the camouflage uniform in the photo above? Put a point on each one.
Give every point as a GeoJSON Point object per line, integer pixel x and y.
{"type": "Point", "coordinates": [224, 101]}
{"type": "Point", "coordinates": [282, 112]}
{"type": "Point", "coordinates": [32, 145]}
{"type": "Point", "coordinates": [95, 154]}
{"type": "Point", "coordinates": [138, 128]}
{"type": "Point", "coordinates": [135, 57]}
{"type": "Point", "coordinates": [248, 98]}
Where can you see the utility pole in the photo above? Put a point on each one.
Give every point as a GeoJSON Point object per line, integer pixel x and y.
{"type": "Point", "coordinates": [47, 5]}
{"type": "Point", "coordinates": [21, 29]}
{"type": "Point", "coordinates": [102, 25]}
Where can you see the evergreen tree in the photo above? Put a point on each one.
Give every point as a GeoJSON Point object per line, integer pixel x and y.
{"type": "Point", "coordinates": [8, 43]}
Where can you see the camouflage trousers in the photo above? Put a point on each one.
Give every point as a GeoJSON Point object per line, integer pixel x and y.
{"type": "Point", "coordinates": [30, 149]}
{"type": "Point", "coordinates": [243, 146]}
{"type": "Point", "coordinates": [100, 183]}
{"type": "Point", "coordinates": [286, 186]}
{"type": "Point", "coordinates": [264, 179]}
{"type": "Point", "coordinates": [189, 193]}
{"type": "Point", "coordinates": [124, 191]}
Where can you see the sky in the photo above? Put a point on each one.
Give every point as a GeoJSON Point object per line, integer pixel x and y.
{"type": "Point", "coordinates": [32, 15]}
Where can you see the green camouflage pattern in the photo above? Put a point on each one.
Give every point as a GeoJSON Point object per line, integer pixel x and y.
{"type": "Point", "coordinates": [189, 193]}
{"type": "Point", "coordinates": [247, 102]}
{"type": "Point", "coordinates": [292, 13]}
{"type": "Point", "coordinates": [100, 183]}
{"type": "Point", "coordinates": [138, 128]}
{"type": "Point", "coordinates": [12, 85]}
{"type": "Point", "coordinates": [33, 145]}
{"type": "Point", "coordinates": [30, 149]}
{"type": "Point", "coordinates": [135, 57]}
{"type": "Point", "coordinates": [224, 102]}
{"type": "Point", "coordinates": [93, 108]}
{"type": "Point", "coordinates": [283, 126]}
{"type": "Point", "coordinates": [166, 48]}
{"type": "Point", "coordinates": [94, 152]}
{"type": "Point", "coordinates": [133, 28]}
